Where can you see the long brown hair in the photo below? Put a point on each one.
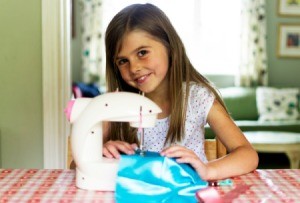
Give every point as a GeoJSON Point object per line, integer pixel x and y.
{"type": "Point", "coordinates": [151, 19]}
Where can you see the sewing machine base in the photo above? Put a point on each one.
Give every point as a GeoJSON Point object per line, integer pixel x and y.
{"type": "Point", "coordinates": [98, 176]}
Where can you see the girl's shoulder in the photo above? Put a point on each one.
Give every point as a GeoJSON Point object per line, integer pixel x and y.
{"type": "Point", "coordinates": [196, 85]}
{"type": "Point", "coordinates": [200, 93]}
{"type": "Point", "coordinates": [198, 88]}
{"type": "Point", "coordinates": [200, 100]}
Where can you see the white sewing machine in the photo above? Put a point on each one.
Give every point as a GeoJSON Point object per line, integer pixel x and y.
{"type": "Point", "coordinates": [94, 172]}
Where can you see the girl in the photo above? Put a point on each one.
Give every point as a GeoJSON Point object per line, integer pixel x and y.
{"type": "Point", "coordinates": [145, 54]}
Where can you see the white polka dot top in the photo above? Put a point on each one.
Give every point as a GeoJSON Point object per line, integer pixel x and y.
{"type": "Point", "coordinates": [199, 104]}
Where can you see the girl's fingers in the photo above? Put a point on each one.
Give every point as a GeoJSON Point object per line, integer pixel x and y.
{"type": "Point", "coordinates": [124, 147]}
{"type": "Point", "coordinates": [134, 146]}
{"type": "Point", "coordinates": [196, 163]}
{"type": "Point", "coordinates": [112, 149]}
{"type": "Point", "coordinates": [106, 153]}
{"type": "Point", "coordinates": [182, 155]}
{"type": "Point", "coordinates": [177, 151]}
{"type": "Point", "coordinates": [188, 160]}
{"type": "Point", "coordinates": [187, 156]}
{"type": "Point", "coordinates": [169, 150]}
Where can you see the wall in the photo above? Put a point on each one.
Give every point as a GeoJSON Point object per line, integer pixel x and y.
{"type": "Point", "coordinates": [21, 123]}
{"type": "Point", "coordinates": [283, 72]}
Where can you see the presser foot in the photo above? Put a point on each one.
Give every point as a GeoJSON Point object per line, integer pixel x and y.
{"type": "Point", "coordinates": [140, 152]}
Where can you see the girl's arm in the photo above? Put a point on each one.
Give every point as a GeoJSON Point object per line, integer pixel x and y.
{"type": "Point", "coordinates": [241, 158]}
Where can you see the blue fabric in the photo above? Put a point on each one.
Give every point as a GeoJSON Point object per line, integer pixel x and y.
{"type": "Point", "coordinates": [153, 178]}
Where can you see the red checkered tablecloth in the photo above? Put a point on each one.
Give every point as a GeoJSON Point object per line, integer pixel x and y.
{"type": "Point", "coordinates": [48, 185]}
{"type": "Point", "coordinates": [31, 185]}
{"type": "Point", "coordinates": [280, 185]}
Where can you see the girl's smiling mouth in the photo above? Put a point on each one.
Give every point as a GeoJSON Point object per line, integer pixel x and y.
{"type": "Point", "coordinates": [142, 79]}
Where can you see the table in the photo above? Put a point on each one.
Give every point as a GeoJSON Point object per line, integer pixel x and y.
{"type": "Point", "coordinates": [34, 185]}
{"type": "Point", "coordinates": [276, 142]}
{"type": "Point", "coordinates": [56, 185]}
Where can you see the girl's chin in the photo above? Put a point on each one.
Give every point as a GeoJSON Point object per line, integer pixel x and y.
{"type": "Point", "coordinates": [145, 89]}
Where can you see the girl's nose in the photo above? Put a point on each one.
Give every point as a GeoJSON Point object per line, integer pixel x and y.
{"type": "Point", "coordinates": [135, 67]}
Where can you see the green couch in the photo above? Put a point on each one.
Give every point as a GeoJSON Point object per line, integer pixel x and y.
{"type": "Point", "coordinates": [241, 104]}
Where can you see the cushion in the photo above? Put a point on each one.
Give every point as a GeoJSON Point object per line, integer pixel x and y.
{"type": "Point", "coordinates": [277, 103]}
{"type": "Point", "coordinates": [240, 102]}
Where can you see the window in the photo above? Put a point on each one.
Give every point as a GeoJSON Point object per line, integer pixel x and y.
{"type": "Point", "coordinates": [210, 30]}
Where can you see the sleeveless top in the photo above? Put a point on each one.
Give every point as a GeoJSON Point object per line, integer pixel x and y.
{"type": "Point", "coordinates": [199, 103]}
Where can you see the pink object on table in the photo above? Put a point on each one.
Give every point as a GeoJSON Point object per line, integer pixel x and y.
{"type": "Point", "coordinates": [209, 195]}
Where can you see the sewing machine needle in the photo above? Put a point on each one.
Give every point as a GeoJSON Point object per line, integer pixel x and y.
{"type": "Point", "coordinates": [141, 132]}
{"type": "Point", "coordinates": [142, 152]}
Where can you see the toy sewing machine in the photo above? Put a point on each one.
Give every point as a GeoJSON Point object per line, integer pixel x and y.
{"type": "Point", "coordinates": [94, 172]}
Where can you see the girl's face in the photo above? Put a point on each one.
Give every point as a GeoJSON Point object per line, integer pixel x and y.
{"type": "Point", "coordinates": [143, 61]}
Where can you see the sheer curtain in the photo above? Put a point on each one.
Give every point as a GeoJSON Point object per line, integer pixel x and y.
{"type": "Point", "coordinates": [209, 30]}
{"type": "Point", "coordinates": [91, 28]}
{"type": "Point", "coordinates": [253, 64]}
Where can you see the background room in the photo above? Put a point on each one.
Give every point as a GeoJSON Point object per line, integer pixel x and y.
{"type": "Point", "coordinates": [39, 63]}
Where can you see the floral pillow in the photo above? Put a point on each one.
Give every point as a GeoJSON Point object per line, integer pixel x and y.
{"type": "Point", "coordinates": [277, 103]}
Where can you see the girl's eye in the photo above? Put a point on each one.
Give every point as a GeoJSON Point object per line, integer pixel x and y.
{"type": "Point", "coordinates": [121, 62]}
{"type": "Point", "coordinates": [142, 53]}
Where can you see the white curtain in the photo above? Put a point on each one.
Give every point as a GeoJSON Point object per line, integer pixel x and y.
{"type": "Point", "coordinates": [91, 28]}
{"type": "Point", "coordinates": [253, 64]}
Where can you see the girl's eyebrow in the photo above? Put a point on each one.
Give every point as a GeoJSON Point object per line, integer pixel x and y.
{"type": "Point", "coordinates": [132, 52]}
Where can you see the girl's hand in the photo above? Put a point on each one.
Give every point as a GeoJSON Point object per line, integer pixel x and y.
{"type": "Point", "coordinates": [112, 149]}
{"type": "Point", "coordinates": [185, 155]}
